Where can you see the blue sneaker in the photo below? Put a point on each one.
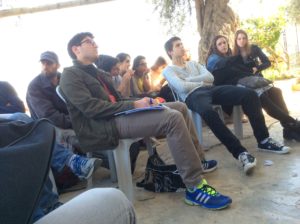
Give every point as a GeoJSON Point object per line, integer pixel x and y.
{"type": "Point", "coordinates": [209, 165]}
{"type": "Point", "coordinates": [83, 167]}
{"type": "Point", "coordinates": [272, 146]}
{"type": "Point", "coordinates": [207, 197]}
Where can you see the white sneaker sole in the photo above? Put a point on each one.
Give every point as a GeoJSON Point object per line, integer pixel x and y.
{"type": "Point", "coordinates": [210, 170]}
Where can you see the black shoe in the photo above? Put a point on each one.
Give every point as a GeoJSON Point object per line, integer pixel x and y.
{"type": "Point", "coordinates": [292, 126]}
{"type": "Point", "coordinates": [273, 146]}
{"type": "Point", "coordinates": [289, 134]}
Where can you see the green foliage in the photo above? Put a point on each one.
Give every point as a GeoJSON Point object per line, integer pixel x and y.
{"type": "Point", "coordinates": [174, 14]}
{"type": "Point", "coordinates": [266, 33]}
{"type": "Point", "coordinates": [293, 10]}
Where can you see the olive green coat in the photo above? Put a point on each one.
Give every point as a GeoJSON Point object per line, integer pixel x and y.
{"type": "Point", "coordinates": [91, 111]}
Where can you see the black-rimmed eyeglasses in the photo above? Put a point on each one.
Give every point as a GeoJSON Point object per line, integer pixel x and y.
{"type": "Point", "coordinates": [88, 41]}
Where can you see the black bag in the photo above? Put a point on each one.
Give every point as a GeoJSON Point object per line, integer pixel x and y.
{"type": "Point", "coordinates": [25, 155]}
{"type": "Point", "coordinates": [160, 177]}
{"type": "Point", "coordinates": [254, 82]}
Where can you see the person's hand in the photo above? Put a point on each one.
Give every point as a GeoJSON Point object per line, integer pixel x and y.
{"type": "Point", "coordinates": [254, 70]}
{"type": "Point", "coordinates": [145, 102]}
{"type": "Point", "coordinates": [128, 74]}
{"type": "Point", "coordinates": [147, 71]}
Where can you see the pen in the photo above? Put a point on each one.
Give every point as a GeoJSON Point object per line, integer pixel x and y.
{"type": "Point", "coordinates": [150, 101]}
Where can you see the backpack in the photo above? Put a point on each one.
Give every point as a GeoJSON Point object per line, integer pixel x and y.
{"type": "Point", "coordinates": [25, 154]}
{"type": "Point", "coordinates": [160, 177]}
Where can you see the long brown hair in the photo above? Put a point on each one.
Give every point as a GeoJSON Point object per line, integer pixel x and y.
{"type": "Point", "coordinates": [213, 47]}
{"type": "Point", "coordinates": [236, 49]}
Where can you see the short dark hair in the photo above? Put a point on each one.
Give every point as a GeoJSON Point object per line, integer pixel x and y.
{"type": "Point", "coordinates": [122, 56]}
{"type": "Point", "coordinates": [169, 45]}
{"type": "Point", "coordinates": [76, 41]}
{"type": "Point", "coordinates": [137, 61]}
{"type": "Point", "coordinates": [106, 62]}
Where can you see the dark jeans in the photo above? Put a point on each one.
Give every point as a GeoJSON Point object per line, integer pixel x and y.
{"type": "Point", "coordinates": [202, 99]}
{"type": "Point", "coordinates": [273, 103]}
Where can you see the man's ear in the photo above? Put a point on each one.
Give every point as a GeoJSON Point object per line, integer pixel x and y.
{"type": "Point", "coordinates": [169, 54]}
{"type": "Point", "coordinates": [75, 50]}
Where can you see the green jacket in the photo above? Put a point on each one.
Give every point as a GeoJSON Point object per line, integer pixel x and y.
{"type": "Point", "coordinates": [91, 111]}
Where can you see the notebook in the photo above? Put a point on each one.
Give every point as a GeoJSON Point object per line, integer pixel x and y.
{"type": "Point", "coordinates": [136, 110]}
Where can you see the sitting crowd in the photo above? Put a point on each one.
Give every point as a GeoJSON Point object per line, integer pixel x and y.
{"type": "Point", "coordinates": [97, 87]}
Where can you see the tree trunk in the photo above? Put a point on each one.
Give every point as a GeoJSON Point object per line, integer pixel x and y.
{"type": "Point", "coordinates": [213, 17]}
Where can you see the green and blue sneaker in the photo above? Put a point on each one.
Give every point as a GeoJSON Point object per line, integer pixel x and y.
{"type": "Point", "coordinates": [207, 197]}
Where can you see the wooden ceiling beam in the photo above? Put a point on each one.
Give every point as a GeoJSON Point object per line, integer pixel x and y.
{"type": "Point", "coordinates": [42, 8]}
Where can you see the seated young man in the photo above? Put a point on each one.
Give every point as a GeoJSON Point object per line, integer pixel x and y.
{"type": "Point", "coordinates": [194, 85]}
{"type": "Point", "coordinates": [93, 103]}
{"type": "Point", "coordinates": [43, 102]}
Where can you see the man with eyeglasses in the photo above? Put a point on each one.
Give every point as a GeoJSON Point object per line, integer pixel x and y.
{"type": "Point", "coordinates": [93, 104]}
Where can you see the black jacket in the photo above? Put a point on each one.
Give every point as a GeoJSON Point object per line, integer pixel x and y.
{"type": "Point", "coordinates": [43, 102]}
{"type": "Point", "coordinates": [227, 70]}
{"type": "Point", "coordinates": [257, 59]}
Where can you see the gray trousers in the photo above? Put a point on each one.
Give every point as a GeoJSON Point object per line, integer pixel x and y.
{"type": "Point", "coordinates": [96, 206]}
{"type": "Point", "coordinates": [176, 124]}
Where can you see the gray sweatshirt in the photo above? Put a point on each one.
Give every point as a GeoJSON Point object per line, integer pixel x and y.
{"type": "Point", "coordinates": [186, 80]}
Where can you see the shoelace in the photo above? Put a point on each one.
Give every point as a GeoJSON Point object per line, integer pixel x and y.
{"type": "Point", "coordinates": [273, 142]}
{"type": "Point", "coordinates": [244, 158]}
{"type": "Point", "coordinates": [205, 164]}
{"type": "Point", "coordinates": [209, 190]}
{"type": "Point", "coordinates": [78, 163]}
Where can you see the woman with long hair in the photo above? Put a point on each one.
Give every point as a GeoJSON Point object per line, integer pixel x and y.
{"type": "Point", "coordinates": [253, 56]}
{"type": "Point", "coordinates": [228, 69]}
